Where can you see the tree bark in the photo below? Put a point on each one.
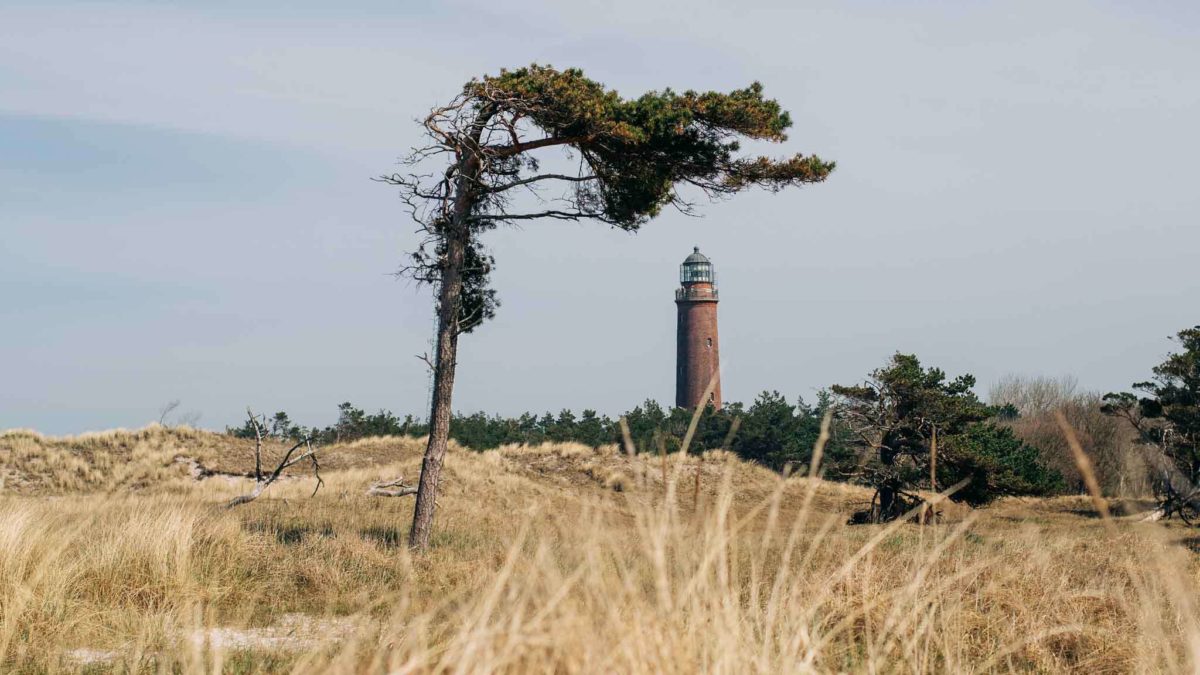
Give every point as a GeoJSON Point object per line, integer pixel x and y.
{"type": "Point", "coordinates": [443, 387]}
{"type": "Point", "coordinates": [887, 490]}
{"type": "Point", "coordinates": [458, 237]}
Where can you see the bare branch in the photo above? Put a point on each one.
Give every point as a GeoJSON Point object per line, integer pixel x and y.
{"type": "Point", "coordinates": [545, 176]}
{"type": "Point", "coordinates": [258, 436]}
{"type": "Point", "coordinates": [392, 488]}
{"type": "Point", "coordinates": [556, 214]}
{"type": "Point", "coordinates": [167, 410]}
{"type": "Point", "coordinates": [261, 483]}
{"type": "Point", "coordinates": [518, 148]}
{"type": "Point", "coordinates": [425, 358]}
{"type": "Point", "coordinates": [316, 466]}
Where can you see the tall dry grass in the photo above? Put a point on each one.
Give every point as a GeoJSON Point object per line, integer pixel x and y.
{"type": "Point", "coordinates": [540, 564]}
{"type": "Point", "coordinates": [102, 461]}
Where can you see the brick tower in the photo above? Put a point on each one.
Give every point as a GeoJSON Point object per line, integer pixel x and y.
{"type": "Point", "coordinates": [696, 342]}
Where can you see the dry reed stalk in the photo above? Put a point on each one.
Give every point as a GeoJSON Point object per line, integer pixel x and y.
{"type": "Point", "coordinates": [1085, 466]}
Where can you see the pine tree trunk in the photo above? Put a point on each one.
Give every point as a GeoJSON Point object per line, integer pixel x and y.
{"type": "Point", "coordinates": [443, 388]}
{"type": "Point", "coordinates": [458, 236]}
{"type": "Point", "coordinates": [887, 490]}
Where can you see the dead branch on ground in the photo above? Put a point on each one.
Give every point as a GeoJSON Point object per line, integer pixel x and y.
{"type": "Point", "coordinates": [392, 488]}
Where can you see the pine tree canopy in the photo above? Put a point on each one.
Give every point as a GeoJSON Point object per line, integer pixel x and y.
{"type": "Point", "coordinates": [639, 149]}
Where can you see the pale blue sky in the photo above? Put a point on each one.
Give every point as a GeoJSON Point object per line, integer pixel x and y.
{"type": "Point", "coordinates": [186, 213]}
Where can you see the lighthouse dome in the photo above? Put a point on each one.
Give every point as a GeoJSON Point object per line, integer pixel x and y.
{"type": "Point", "coordinates": [696, 257]}
{"type": "Point", "coordinates": [696, 268]}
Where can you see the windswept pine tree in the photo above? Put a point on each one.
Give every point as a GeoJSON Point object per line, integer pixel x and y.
{"type": "Point", "coordinates": [630, 157]}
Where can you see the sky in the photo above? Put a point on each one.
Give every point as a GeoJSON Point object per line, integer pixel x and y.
{"type": "Point", "coordinates": [186, 210]}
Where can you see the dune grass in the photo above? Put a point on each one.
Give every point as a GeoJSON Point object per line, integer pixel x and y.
{"type": "Point", "coordinates": [555, 558]}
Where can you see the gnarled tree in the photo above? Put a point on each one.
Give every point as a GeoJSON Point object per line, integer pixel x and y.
{"type": "Point", "coordinates": [1167, 420]}
{"type": "Point", "coordinates": [894, 418]}
{"type": "Point", "coordinates": [623, 160]}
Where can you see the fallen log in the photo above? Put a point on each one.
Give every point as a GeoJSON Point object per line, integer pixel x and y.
{"type": "Point", "coordinates": [392, 488]}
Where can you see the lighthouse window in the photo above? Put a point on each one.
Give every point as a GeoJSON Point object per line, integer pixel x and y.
{"type": "Point", "coordinates": [708, 343]}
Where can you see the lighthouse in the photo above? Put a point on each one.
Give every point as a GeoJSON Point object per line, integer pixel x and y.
{"type": "Point", "coordinates": [697, 347]}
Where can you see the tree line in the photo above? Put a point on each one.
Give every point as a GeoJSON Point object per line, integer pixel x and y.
{"type": "Point", "coordinates": [771, 430]}
{"type": "Point", "coordinates": [905, 429]}
{"type": "Point", "coordinates": [882, 435]}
